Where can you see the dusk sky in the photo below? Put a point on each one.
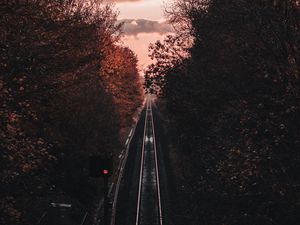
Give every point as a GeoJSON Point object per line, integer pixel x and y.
{"type": "Point", "coordinates": [144, 24]}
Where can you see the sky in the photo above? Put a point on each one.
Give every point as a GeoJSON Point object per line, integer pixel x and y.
{"type": "Point", "coordinates": [144, 23]}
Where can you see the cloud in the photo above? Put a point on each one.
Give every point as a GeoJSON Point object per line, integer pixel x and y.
{"type": "Point", "coordinates": [137, 26]}
{"type": "Point", "coordinates": [134, 23]}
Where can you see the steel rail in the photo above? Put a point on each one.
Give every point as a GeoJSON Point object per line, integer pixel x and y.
{"type": "Point", "coordinates": [149, 116]}
{"type": "Point", "coordinates": [121, 167]}
{"type": "Point", "coordinates": [157, 170]}
{"type": "Point", "coordinates": [141, 167]}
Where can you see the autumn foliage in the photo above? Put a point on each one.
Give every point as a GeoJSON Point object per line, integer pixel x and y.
{"type": "Point", "coordinates": [66, 89]}
{"type": "Point", "coordinates": [233, 104]}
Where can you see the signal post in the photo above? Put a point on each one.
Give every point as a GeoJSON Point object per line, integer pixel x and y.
{"type": "Point", "coordinates": [102, 167]}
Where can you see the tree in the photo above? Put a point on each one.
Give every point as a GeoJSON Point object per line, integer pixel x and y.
{"type": "Point", "coordinates": [55, 109]}
{"type": "Point", "coordinates": [121, 78]}
{"type": "Point", "coordinates": [235, 98]}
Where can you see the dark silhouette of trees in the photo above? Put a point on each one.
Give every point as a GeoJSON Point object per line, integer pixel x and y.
{"type": "Point", "coordinates": [56, 106]}
{"type": "Point", "coordinates": [235, 98]}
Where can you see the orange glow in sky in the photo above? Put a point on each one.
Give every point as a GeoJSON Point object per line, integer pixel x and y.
{"type": "Point", "coordinates": [144, 24]}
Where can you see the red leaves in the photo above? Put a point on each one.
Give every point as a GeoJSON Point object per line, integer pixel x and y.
{"type": "Point", "coordinates": [56, 106]}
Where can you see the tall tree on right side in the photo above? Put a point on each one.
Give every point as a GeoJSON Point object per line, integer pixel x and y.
{"type": "Point", "coordinates": [238, 94]}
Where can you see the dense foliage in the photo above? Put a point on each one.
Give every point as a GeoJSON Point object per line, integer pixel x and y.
{"type": "Point", "coordinates": [120, 76]}
{"type": "Point", "coordinates": [57, 105]}
{"type": "Point", "coordinates": [233, 101]}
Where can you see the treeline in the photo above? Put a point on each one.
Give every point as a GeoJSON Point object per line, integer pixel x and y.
{"type": "Point", "coordinates": [63, 96]}
{"type": "Point", "coordinates": [230, 80]}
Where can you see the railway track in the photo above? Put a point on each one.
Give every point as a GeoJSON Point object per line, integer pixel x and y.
{"type": "Point", "coordinates": [149, 208]}
{"type": "Point", "coordinates": [137, 198]}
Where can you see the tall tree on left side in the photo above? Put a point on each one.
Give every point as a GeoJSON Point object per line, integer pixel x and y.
{"type": "Point", "coordinates": [54, 107]}
{"type": "Point", "coordinates": [121, 78]}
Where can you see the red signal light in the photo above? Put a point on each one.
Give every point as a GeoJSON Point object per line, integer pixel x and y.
{"type": "Point", "coordinates": [100, 167]}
